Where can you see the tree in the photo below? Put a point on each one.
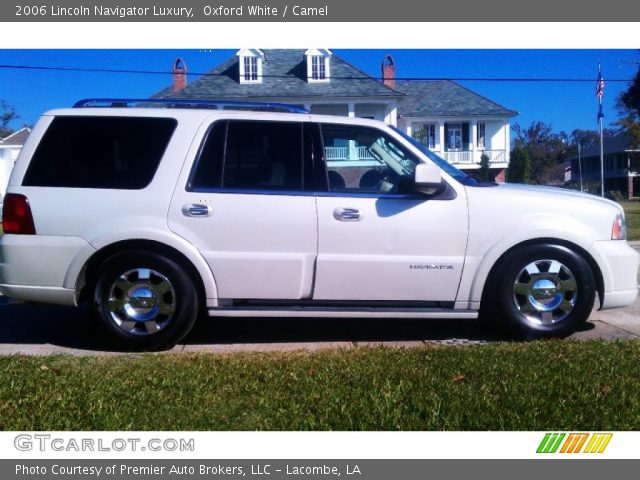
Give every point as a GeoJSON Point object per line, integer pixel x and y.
{"type": "Point", "coordinates": [7, 116]}
{"type": "Point", "coordinates": [630, 99]}
{"type": "Point", "coordinates": [484, 172]}
{"type": "Point", "coordinates": [544, 148]}
{"type": "Point", "coordinates": [586, 138]}
{"type": "Point", "coordinates": [519, 166]}
{"type": "Point", "coordinates": [628, 104]}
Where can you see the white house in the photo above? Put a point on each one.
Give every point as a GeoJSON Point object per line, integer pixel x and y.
{"type": "Point", "coordinates": [455, 122]}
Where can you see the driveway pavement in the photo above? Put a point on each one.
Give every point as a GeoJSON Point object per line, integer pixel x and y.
{"type": "Point", "coordinates": [42, 330]}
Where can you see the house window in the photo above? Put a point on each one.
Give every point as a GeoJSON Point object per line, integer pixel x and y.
{"type": "Point", "coordinates": [318, 68]}
{"type": "Point", "coordinates": [480, 140]}
{"type": "Point", "coordinates": [426, 134]}
{"type": "Point", "coordinates": [250, 69]}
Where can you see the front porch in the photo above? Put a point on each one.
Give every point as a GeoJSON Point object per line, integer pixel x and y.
{"type": "Point", "coordinates": [462, 141]}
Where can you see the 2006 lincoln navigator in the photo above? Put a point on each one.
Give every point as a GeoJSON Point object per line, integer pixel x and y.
{"type": "Point", "coordinates": [157, 214]}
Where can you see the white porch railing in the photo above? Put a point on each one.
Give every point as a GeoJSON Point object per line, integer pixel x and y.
{"type": "Point", "coordinates": [458, 157]}
{"type": "Point", "coordinates": [495, 156]}
{"type": "Point", "coordinates": [468, 157]}
{"type": "Point", "coordinates": [348, 153]}
{"type": "Point", "coordinates": [461, 157]}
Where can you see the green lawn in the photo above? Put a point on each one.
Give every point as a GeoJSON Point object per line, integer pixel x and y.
{"type": "Point", "coordinates": [632, 215]}
{"type": "Point", "coordinates": [551, 385]}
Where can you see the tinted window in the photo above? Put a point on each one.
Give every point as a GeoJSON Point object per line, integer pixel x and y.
{"type": "Point", "coordinates": [251, 156]}
{"type": "Point", "coordinates": [208, 169]}
{"type": "Point", "coordinates": [100, 152]}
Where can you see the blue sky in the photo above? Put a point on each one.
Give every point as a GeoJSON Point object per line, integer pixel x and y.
{"type": "Point", "coordinates": [566, 106]}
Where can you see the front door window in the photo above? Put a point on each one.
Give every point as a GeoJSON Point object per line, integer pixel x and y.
{"type": "Point", "coordinates": [454, 137]}
{"type": "Point", "coordinates": [365, 160]}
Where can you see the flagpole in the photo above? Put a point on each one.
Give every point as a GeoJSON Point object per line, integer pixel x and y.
{"type": "Point", "coordinates": [601, 155]}
{"type": "Point", "coordinates": [600, 94]}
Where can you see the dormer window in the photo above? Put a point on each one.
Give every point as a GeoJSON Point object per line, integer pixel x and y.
{"type": "Point", "coordinates": [318, 70]}
{"type": "Point", "coordinates": [318, 64]}
{"type": "Point", "coordinates": [250, 62]}
{"type": "Point", "coordinates": [250, 69]}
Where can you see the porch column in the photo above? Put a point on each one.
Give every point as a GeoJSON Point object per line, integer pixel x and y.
{"type": "Point", "coordinates": [353, 151]}
{"type": "Point", "coordinates": [441, 141]}
{"type": "Point", "coordinates": [391, 114]}
{"type": "Point", "coordinates": [507, 146]}
{"type": "Point", "coordinates": [409, 130]}
{"type": "Point", "coordinates": [474, 135]}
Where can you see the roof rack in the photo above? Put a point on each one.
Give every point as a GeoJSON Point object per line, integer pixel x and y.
{"type": "Point", "coordinates": [183, 103]}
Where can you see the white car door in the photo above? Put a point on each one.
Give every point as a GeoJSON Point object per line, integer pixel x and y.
{"type": "Point", "coordinates": [244, 208]}
{"type": "Point", "coordinates": [377, 240]}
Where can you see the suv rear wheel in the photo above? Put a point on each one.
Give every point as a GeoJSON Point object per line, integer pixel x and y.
{"type": "Point", "coordinates": [542, 290]}
{"type": "Point", "coordinates": [145, 300]}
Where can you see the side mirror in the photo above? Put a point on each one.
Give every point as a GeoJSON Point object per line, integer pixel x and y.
{"type": "Point", "coordinates": [427, 178]}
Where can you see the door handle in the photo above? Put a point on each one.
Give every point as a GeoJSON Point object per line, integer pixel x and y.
{"type": "Point", "coordinates": [347, 214]}
{"type": "Point", "coordinates": [197, 210]}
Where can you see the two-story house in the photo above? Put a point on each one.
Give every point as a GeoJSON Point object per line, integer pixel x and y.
{"type": "Point", "coordinates": [458, 124]}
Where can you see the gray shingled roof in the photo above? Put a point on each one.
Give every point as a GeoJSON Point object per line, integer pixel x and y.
{"type": "Point", "coordinates": [425, 98]}
{"type": "Point", "coordinates": [284, 76]}
{"type": "Point", "coordinates": [16, 138]}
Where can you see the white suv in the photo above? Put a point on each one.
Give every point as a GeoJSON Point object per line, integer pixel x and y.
{"type": "Point", "coordinates": [157, 215]}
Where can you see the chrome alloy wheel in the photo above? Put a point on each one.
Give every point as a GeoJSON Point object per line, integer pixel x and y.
{"type": "Point", "coordinates": [141, 301]}
{"type": "Point", "coordinates": [545, 292]}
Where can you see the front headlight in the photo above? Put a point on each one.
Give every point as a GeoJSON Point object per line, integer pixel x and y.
{"type": "Point", "coordinates": [619, 228]}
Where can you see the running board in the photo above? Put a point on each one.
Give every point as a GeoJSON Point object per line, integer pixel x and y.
{"type": "Point", "coordinates": [332, 312]}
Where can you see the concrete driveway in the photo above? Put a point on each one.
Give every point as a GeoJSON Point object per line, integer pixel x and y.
{"type": "Point", "coordinates": [42, 330]}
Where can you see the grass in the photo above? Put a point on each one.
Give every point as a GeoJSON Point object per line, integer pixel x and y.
{"type": "Point", "coordinates": [551, 385]}
{"type": "Point", "coordinates": [632, 215]}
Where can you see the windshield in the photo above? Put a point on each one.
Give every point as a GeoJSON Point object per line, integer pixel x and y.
{"type": "Point", "coordinates": [441, 162]}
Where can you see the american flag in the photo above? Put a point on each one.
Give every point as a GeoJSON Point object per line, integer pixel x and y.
{"type": "Point", "coordinates": [599, 84]}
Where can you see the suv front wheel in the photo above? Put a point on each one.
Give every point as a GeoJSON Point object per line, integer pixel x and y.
{"type": "Point", "coordinates": [145, 300]}
{"type": "Point", "coordinates": [542, 290]}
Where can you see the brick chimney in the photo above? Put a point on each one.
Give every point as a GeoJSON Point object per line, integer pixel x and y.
{"type": "Point", "coordinates": [179, 75]}
{"type": "Point", "coordinates": [389, 72]}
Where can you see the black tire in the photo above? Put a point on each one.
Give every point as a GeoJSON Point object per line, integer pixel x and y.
{"type": "Point", "coordinates": [145, 300]}
{"type": "Point", "coordinates": [540, 291]}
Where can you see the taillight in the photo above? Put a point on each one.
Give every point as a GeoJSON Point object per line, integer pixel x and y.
{"type": "Point", "coordinates": [16, 215]}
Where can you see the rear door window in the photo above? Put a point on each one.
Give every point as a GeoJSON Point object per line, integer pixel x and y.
{"type": "Point", "coordinates": [240, 155]}
{"type": "Point", "coordinates": [100, 152]}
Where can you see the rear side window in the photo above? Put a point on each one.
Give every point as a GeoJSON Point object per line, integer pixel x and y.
{"type": "Point", "coordinates": [100, 152]}
{"type": "Point", "coordinates": [250, 155]}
